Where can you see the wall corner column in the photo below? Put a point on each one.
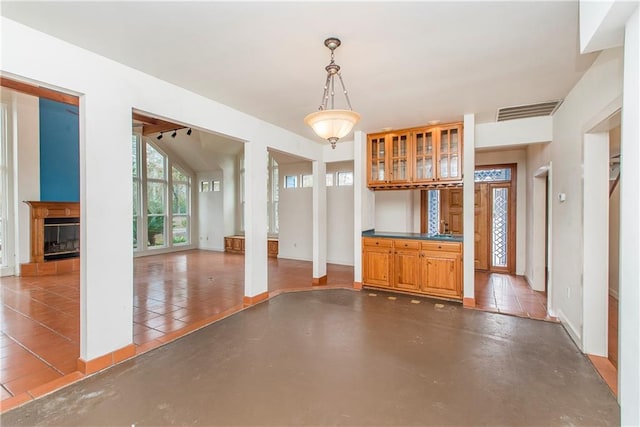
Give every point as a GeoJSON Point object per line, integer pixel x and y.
{"type": "Point", "coordinates": [319, 223]}
{"type": "Point", "coordinates": [255, 222]}
{"type": "Point", "coordinates": [629, 291]}
{"type": "Point", "coordinates": [106, 257]}
{"type": "Point", "coordinates": [363, 203]}
{"type": "Point", "coordinates": [468, 203]}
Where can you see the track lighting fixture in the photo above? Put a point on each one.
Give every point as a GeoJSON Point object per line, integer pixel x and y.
{"type": "Point", "coordinates": [189, 132]}
{"type": "Point", "coordinates": [175, 132]}
{"type": "Point", "coordinates": [160, 136]}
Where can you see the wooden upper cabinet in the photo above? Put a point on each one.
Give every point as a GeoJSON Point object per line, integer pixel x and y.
{"type": "Point", "coordinates": [450, 153]}
{"type": "Point", "coordinates": [424, 152]}
{"type": "Point", "coordinates": [376, 153]}
{"type": "Point", "coordinates": [399, 157]}
{"type": "Point", "coordinates": [413, 158]}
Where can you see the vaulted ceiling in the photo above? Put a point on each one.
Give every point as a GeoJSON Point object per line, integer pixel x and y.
{"type": "Point", "coordinates": [404, 63]}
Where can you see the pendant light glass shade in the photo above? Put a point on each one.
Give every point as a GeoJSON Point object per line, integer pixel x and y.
{"type": "Point", "coordinates": [332, 124]}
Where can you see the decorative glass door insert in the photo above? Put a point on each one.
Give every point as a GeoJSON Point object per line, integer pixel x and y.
{"type": "Point", "coordinates": [399, 157]}
{"type": "Point", "coordinates": [500, 226]}
{"type": "Point", "coordinates": [378, 170]}
{"type": "Point", "coordinates": [450, 154]}
{"type": "Point", "coordinates": [424, 153]}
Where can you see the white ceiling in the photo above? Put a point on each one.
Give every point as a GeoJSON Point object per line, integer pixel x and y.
{"type": "Point", "coordinates": [404, 64]}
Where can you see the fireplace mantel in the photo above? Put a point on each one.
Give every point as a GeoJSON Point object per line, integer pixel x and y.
{"type": "Point", "coordinates": [40, 212]}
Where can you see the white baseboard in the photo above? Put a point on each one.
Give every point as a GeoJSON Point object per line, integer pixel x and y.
{"type": "Point", "coordinates": [340, 262]}
{"type": "Point", "coordinates": [574, 333]}
{"type": "Point", "coordinates": [285, 256]}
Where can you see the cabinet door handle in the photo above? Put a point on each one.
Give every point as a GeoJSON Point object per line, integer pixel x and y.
{"type": "Point", "coordinates": [377, 243]}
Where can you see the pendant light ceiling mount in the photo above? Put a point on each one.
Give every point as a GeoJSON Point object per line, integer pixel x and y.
{"type": "Point", "coordinates": [328, 122]}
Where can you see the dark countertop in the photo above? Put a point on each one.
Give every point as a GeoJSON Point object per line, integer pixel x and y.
{"type": "Point", "coordinates": [415, 236]}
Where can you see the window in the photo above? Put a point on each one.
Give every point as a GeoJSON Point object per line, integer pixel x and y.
{"type": "Point", "coordinates": [156, 197]}
{"type": "Point", "coordinates": [273, 196]}
{"type": "Point", "coordinates": [307, 181]}
{"type": "Point", "coordinates": [180, 184]}
{"type": "Point", "coordinates": [492, 175]}
{"type": "Point", "coordinates": [290, 181]}
{"type": "Point", "coordinates": [345, 178]}
{"type": "Point", "coordinates": [166, 198]}
{"type": "Point", "coordinates": [205, 186]}
{"type": "Point", "coordinates": [216, 185]}
{"type": "Point", "coordinates": [135, 169]}
{"type": "Point", "coordinates": [329, 180]}
{"type": "Point", "coordinates": [241, 191]}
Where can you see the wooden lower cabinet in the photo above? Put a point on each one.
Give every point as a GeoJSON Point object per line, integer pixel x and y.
{"type": "Point", "coordinates": [376, 265]}
{"type": "Point", "coordinates": [235, 245]}
{"type": "Point", "coordinates": [406, 267]}
{"type": "Point", "coordinates": [426, 267]}
{"type": "Point", "coordinates": [441, 274]}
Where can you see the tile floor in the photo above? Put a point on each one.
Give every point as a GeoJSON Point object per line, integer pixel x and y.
{"type": "Point", "coordinates": [40, 315]}
{"type": "Point", "coordinates": [509, 294]}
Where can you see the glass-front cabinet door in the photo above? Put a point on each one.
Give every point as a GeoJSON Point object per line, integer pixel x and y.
{"type": "Point", "coordinates": [377, 160]}
{"type": "Point", "coordinates": [450, 154]}
{"type": "Point", "coordinates": [424, 155]}
{"type": "Point", "coordinates": [399, 157]}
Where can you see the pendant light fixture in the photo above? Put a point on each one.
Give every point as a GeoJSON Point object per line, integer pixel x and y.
{"type": "Point", "coordinates": [328, 122]}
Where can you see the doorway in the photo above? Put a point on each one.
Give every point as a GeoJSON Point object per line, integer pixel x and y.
{"type": "Point", "coordinates": [495, 218]}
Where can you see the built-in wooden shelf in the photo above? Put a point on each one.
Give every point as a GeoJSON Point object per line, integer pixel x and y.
{"type": "Point", "coordinates": [235, 245]}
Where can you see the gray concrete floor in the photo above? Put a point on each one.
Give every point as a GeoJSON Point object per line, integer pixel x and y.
{"type": "Point", "coordinates": [338, 357]}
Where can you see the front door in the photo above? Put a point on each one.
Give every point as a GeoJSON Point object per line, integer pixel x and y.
{"type": "Point", "coordinates": [495, 218]}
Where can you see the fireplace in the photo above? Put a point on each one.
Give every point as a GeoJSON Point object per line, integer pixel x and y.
{"type": "Point", "coordinates": [61, 238]}
{"type": "Point", "coordinates": [55, 238]}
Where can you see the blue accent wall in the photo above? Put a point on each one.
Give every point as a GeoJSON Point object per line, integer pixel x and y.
{"type": "Point", "coordinates": [59, 152]}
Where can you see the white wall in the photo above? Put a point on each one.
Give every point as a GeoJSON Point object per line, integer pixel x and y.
{"type": "Point", "coordinates": [340, 214]}
{"type": "Point", "coordinates": [537, 157]}
{"type": "Point", "coordinates": [510, 133]}
{"type": "Point", "coordinates": [395, 210]}
{"type": "Point", "coordinates": [596, 96]}
{"type": "Point", "coordinates": [109, 89]}
{"type": "Point", "coordinates": [23, 117]}
{"type": "Point", "coordinates": [295, 214]}
{"type": "Point", "coordinates": [520, 158]}
{"type": "Point", "coordinates": [210, 213]}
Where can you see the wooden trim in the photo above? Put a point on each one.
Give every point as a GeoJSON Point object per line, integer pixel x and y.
{"type": "Point", "coordinates": [249, 301]}
{"type": "Point", "coordinates": [319, 281]}
{"type": "Point", "coordinates": [424, 209]}
{"type": "Point", "coordinates": [513, 205]}
{"type": "Point", "coordinates": [607, 371]}
{"type": "Point", "coordinates": [469, 302]}
{"type": "Point", "coordinates": [50, 268]}
{"type": "Point", "coordinates": [94, 365]}
{"type": "Point", "coordinates": [152, 125]}
{"type": "Point", "coordinates": [15, 401]}
{"type": "Point", "coordinates": [39, 211]}
{"type": "Point", "coordinates": [39, 91]}
{"type": "Point", "coordinates": [357, 285]}
{"type": "Point", "coordinates": [106, 360]}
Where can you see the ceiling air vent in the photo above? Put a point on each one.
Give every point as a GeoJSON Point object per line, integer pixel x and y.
{"type": "Point", "coordinates": [526, 111]}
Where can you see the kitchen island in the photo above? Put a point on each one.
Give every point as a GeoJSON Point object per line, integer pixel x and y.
{"type": "Point", "coordinates": [417, 263]}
